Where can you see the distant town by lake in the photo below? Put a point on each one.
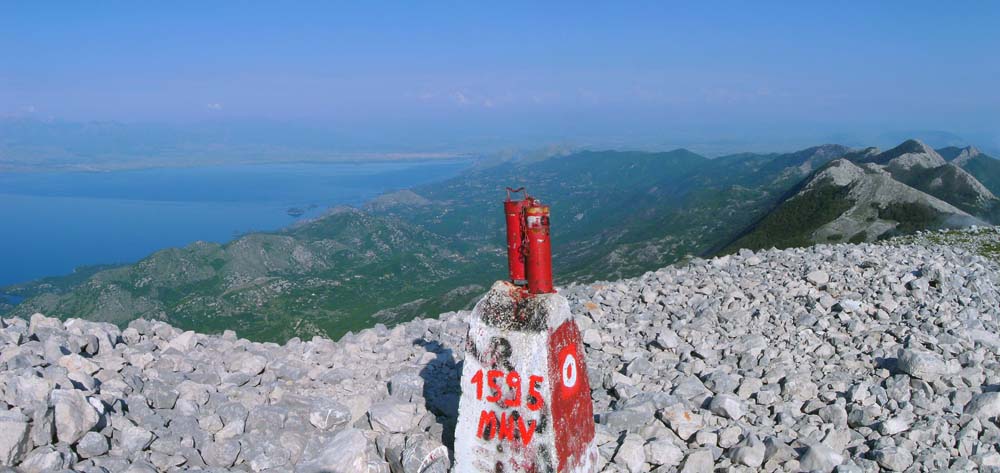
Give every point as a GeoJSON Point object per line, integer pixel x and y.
{"type": "Point", "coordinates": [51, 223]}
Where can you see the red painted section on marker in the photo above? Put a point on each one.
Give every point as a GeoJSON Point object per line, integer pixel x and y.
{"type": "Point", "coordinates": [572, 410]}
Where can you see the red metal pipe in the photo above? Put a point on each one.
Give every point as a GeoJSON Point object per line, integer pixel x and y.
{"type": "Point", "coordinates": [514, 209]}
{"type": "Point", "coordinates": [539, 261]}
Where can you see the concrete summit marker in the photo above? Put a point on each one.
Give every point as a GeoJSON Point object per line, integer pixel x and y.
{"type": "Point", "coordinates": [525, 403]}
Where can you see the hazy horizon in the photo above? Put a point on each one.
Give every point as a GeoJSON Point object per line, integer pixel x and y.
{"type": "Point", "coordinates": [715, 78]}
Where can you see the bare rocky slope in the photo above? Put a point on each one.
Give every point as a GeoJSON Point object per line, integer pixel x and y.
{"type": "Point", "coordinates": [845, 357]}
{"type": "Point", "coordinates": [921, 167]}
{"type": "Point", "coordinates": [872, 190]}
{"type": "Point", "coordinates": [870, 195]}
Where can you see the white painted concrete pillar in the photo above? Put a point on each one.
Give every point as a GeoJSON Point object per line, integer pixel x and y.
{"type": "Point", "coordinates": [526, 404]}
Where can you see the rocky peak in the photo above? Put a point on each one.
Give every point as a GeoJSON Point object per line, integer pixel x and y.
{"type": "Point", "coordinates": [911, 146]}
{"type": "Point", "coordinates": [909, 155]}
{"type": "Point", "coordinates": [841, 172]}
{"type": "Point", "coordinates": [828, 151]}
{"type": "Point", "coordinates": [864, 155]}
{"type": "Point", "coordinates": [965, 155]}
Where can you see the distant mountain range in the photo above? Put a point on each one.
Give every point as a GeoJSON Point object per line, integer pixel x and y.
{"type": "Point", "coordinates": [615, 214]}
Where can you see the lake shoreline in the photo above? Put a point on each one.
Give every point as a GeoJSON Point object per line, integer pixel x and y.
{"type": "Point", "coordinates": [419, 158]}
{"type": "Point", "coordinates": [63, 221]}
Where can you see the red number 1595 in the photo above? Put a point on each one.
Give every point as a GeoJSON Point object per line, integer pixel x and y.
{"type": "Point", "coordinates": [513, 380]}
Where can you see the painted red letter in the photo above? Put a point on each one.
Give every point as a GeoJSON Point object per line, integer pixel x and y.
{"type": "Point", "coordinates": [487, 420]}
{"type": "Point", "coordinates": [506, 427]}
{"type": "Point", "coordinates": [526, 432]}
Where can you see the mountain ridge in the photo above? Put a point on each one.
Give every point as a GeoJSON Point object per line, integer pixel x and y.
{"type": "Point", "coordinates": [870, 194]}
{"type": "Point", "coordinates": [430, 248]}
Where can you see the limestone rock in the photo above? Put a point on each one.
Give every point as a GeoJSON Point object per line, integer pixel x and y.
{"type": "Point", "coordinates": [698, 461]}
{"type": "Point", "coordinates": [74, 415]}
{"type": "Point", "coordinates": [819, 278]}
{"type": "Point", "coordinates": [893, 458]}
{"type": "Point", "coordinates": [681, 420]}
{"type": "Point", "coordinates": [631, 455]}
{"type": "Point", "coordinates": [749, 362]}
{"type": "Point", "coordinates": [750, 452]}
{"type": "Point", "coordinates": [91, 445]}
{"type": "Point", "coordinates": [819, 457]}
{"type": "Point", "coordinates": [344, 453]}
{"type": "Point", "coordinates": [985, 405]}
{"type": "Point", "coordinates": [393, 416]}
{"type": "Point", "coordinates": [14, 438]}
{"type": "Point", "coordinates": [921, 364]}
{"type": "Point", "coordinates": [728, 406]}
{"type": "Point", "coordinates": [222, 454]}
{"type": "Point", "coordinates": [664, 452]}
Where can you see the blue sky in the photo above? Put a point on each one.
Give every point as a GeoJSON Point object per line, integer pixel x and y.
{"type": "Point", "coordinates": [607, 73]}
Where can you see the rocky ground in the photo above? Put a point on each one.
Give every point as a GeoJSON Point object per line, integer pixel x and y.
{"type": "Point", "coordinates": [983, 241]}
{"type": "Point", "coordinates": [846, 358]}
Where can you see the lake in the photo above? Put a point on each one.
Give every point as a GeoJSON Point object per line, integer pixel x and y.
{"type": "Point", "coordinates": [51, 223]}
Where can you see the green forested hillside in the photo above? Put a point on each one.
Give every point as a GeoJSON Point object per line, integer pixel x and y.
{"type": "Point", "coordinates": [793, 223]}
{"type": "Point", "coordinates": [437, 247]}
{"type": "Point", "coordinates": [987, 170]}
{"type": "Point", "coordinates": [618, 214]}
{"type": "Point", "coordinates": [327, 276]}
